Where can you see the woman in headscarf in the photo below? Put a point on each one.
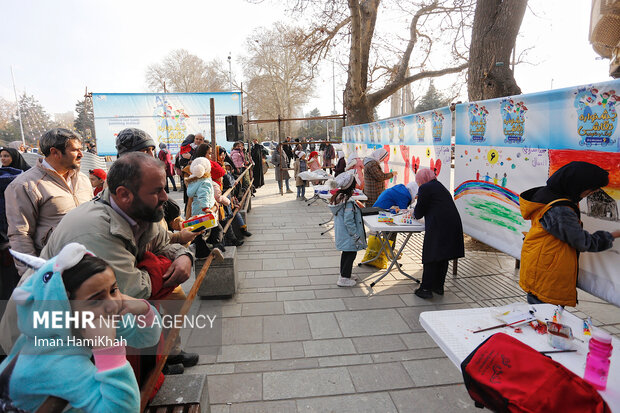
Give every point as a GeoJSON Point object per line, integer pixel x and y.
{"type": "Point", "coordinates": [550, 252]}
{"type": "Point", "coordinates": [356, 164]}
{"type": "Point", "coordinates": [443, 232]}
{"type": "Point", "coordinates": [279, 160]}
{"type": "Point", "coordinates": [374, 177]}
{"type": "Point", "coordinates": [342, 163]}
{"type": "Point", "coordinates": [12, 164]}
{"type": "Point", "coordinates": [11, 158]}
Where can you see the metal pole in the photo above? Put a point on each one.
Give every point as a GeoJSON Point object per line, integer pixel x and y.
{"type": "Point", "coordinates": [229, 71]}
{"type": "Point", "coordinates": [280, 152]}
{"type": "Point", "coordinates": [19, 113]}
{"type": "Point", "coordinates": [213, 143]}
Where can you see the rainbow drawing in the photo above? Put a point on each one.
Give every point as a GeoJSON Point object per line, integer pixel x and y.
{"type": "Point", "coordinates": [489, 189]}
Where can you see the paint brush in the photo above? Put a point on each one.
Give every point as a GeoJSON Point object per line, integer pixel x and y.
{"type": "Point", "coordinates": [501, 325]}
{"type": "Point", "coordinates": [557, 351]}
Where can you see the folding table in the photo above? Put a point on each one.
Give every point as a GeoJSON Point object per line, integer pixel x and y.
{"type": "Point", "coordinates": [453, 331]}
{"type": "Point", "coordinates": [383, 231]}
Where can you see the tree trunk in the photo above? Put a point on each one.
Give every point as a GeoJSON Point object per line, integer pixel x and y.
{"type": "Point", "coordinates": [495, 29]}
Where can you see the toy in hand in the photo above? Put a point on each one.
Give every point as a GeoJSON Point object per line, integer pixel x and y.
{"type": "Point", "coordinates": [200, 222]}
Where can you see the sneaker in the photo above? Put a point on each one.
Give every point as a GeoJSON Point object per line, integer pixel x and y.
{"type": "Point", "coordinates": [438, 290]}
{"type": "Point", "coordinates": [355, 277]}
{"type": "Point", "coordinates": [246, 233]}
{"type": "Point", "coordinates": [423, 293]}
{"type": "Point", "coordinates": [288, 191]}
{"type": "Point", "coordinates": [346, 282]}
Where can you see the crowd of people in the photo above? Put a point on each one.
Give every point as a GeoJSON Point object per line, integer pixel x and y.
{"type": "Point", "coordinates": [115, 238]}
{"type": "Point", "coordinates": [112, 243]}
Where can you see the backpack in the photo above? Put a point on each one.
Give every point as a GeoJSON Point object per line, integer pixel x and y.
{"type": "Point", "coordinates": [507, 375]}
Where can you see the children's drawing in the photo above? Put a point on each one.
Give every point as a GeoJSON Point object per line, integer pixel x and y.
{"type": "Point", "coordinates": [421, 123]}
{"type": "Point", "coordinates": [404, 151]}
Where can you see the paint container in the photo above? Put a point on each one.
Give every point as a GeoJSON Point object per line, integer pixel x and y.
{"type": "Point", "coordinates": [559, 336]}
{"type": "Point", "coordinates": [597, 362]}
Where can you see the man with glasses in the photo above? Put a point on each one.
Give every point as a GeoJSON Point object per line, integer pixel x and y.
{"type": "Point", "coordinates": [37, 199]}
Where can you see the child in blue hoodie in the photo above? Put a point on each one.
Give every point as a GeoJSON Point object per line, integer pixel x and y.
{"type": "Point", "coordinates": [348, 226]}
{"type": "Point", "coordinates": [56, 360]}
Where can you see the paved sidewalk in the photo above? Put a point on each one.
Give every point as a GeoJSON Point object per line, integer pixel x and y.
{"type": "Point", "coordinates": [295, 342]}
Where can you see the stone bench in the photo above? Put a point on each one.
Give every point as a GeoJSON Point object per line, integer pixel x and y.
{"type": "Point", "coordinates": [222, 276]}
{"type": "Point", "coordinates": [182, 393]}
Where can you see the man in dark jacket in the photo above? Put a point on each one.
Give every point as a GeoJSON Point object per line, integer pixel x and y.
{"type": "Point", "coordinates": [288, 149]}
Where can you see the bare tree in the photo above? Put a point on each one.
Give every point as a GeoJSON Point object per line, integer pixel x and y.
{"type": "Point", "coordinates": [279, 80]}
{"type": "Point", "coordinates": [495, 29]}
{"type": "Point", "coordinates": [435, 44]}
{"type": "Point", "coordinates": [184, 72]}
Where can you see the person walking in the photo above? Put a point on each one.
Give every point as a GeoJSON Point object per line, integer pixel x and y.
{"type": "Point", "coordinates": [166, 158]}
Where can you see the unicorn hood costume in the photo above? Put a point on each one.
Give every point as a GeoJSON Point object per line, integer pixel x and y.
{"type": "Point", "coordinates": [54, 361]}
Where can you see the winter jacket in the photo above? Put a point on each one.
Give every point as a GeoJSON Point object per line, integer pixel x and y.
{"type": "Point", "coordinates": [36, 201]}
{"type": "Point", "coordinates": [201, 190]}
{"type": "Point", "coordinates": [65, 370]}
{"type": "Point", "coordinates": [348, 226]}
{"type": "Point", "coordinates": [166, 158]}
{"type": "Point", "coordinates": [239, 159]}
{"type": "Point", "coordinates": [300, 166]}
{"type": "Point", "coordinates": [7, 175]}
{"type": "Point", "coordinates": [397, 195]}
{"type": "Point", "coordinates": [443, 230]}
{"type": "Point", "coordinates": [276, 160]}
{"type": "Point", "coordinates": [549, 255]}
{"type": "Point", "coordinates": [374, 180]}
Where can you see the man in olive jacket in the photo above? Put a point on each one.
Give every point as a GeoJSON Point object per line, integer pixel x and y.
{"type": "Point", "coordinates": [119, 227]}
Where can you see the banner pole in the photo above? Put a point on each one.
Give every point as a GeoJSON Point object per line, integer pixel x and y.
{"type": "Point", "coordinates": [213, 143]}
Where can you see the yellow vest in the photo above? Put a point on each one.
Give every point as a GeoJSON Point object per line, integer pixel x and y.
{"type": "Point", "coordinates": [549, 266]}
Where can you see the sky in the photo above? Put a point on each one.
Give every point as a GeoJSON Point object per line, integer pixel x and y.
{"type": "Point", "coordinates": [58, 48]}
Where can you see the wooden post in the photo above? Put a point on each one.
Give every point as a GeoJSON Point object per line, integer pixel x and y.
{"type": "Point", "coordinates": [213, 141]}
{"type": "Point", "coordinates": [517, 264]}
{"type": "Point", "coordinates": [455, 266]}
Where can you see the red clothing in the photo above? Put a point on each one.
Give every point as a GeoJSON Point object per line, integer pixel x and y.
{"type": "Point", "coordinates": [97, 189]}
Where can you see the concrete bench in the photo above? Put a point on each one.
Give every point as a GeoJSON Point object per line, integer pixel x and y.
{"type": "Point", "coordinates": [183, 393]}
{"type": "Point", "coordinates": [222, 277]}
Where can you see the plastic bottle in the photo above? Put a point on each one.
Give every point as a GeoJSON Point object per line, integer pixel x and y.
{"type": "Point", "coordinates": [597, 362]}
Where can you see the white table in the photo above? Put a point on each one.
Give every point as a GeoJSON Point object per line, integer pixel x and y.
{"type": "Point", "coordinates": [453, 330]}
{"type": "Point", "coordinates": [314, 177]}
{"type": "Point", "coordinates": [384, 230]}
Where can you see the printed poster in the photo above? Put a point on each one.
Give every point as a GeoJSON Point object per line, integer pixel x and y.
{"type": "Point", "coordinates": [167, 117]}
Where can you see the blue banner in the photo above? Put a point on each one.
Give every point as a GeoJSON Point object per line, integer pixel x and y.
{"type": "Point", "coordinates": [167, 117]}
{"type": "Point", "coordinates": [412, 141]}
{"type": "Point", "coordinates": [582, 117]}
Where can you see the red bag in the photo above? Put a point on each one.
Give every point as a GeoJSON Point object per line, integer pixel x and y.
{"type": "Point", "coordinates": [156, 266]}
{"type": "Point", "coordinates": [506, 375]}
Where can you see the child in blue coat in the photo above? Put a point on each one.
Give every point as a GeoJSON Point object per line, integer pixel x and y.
{"type": "Point", "coordinates": [200, 190]}
{"type": "Point", "coordinates": [55, 360]}
{"type": "Point", "coordinates": [348, 226]}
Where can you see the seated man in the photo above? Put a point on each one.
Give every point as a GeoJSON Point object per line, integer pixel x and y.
{"type": "Point", "coordinates": [120, 227]}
